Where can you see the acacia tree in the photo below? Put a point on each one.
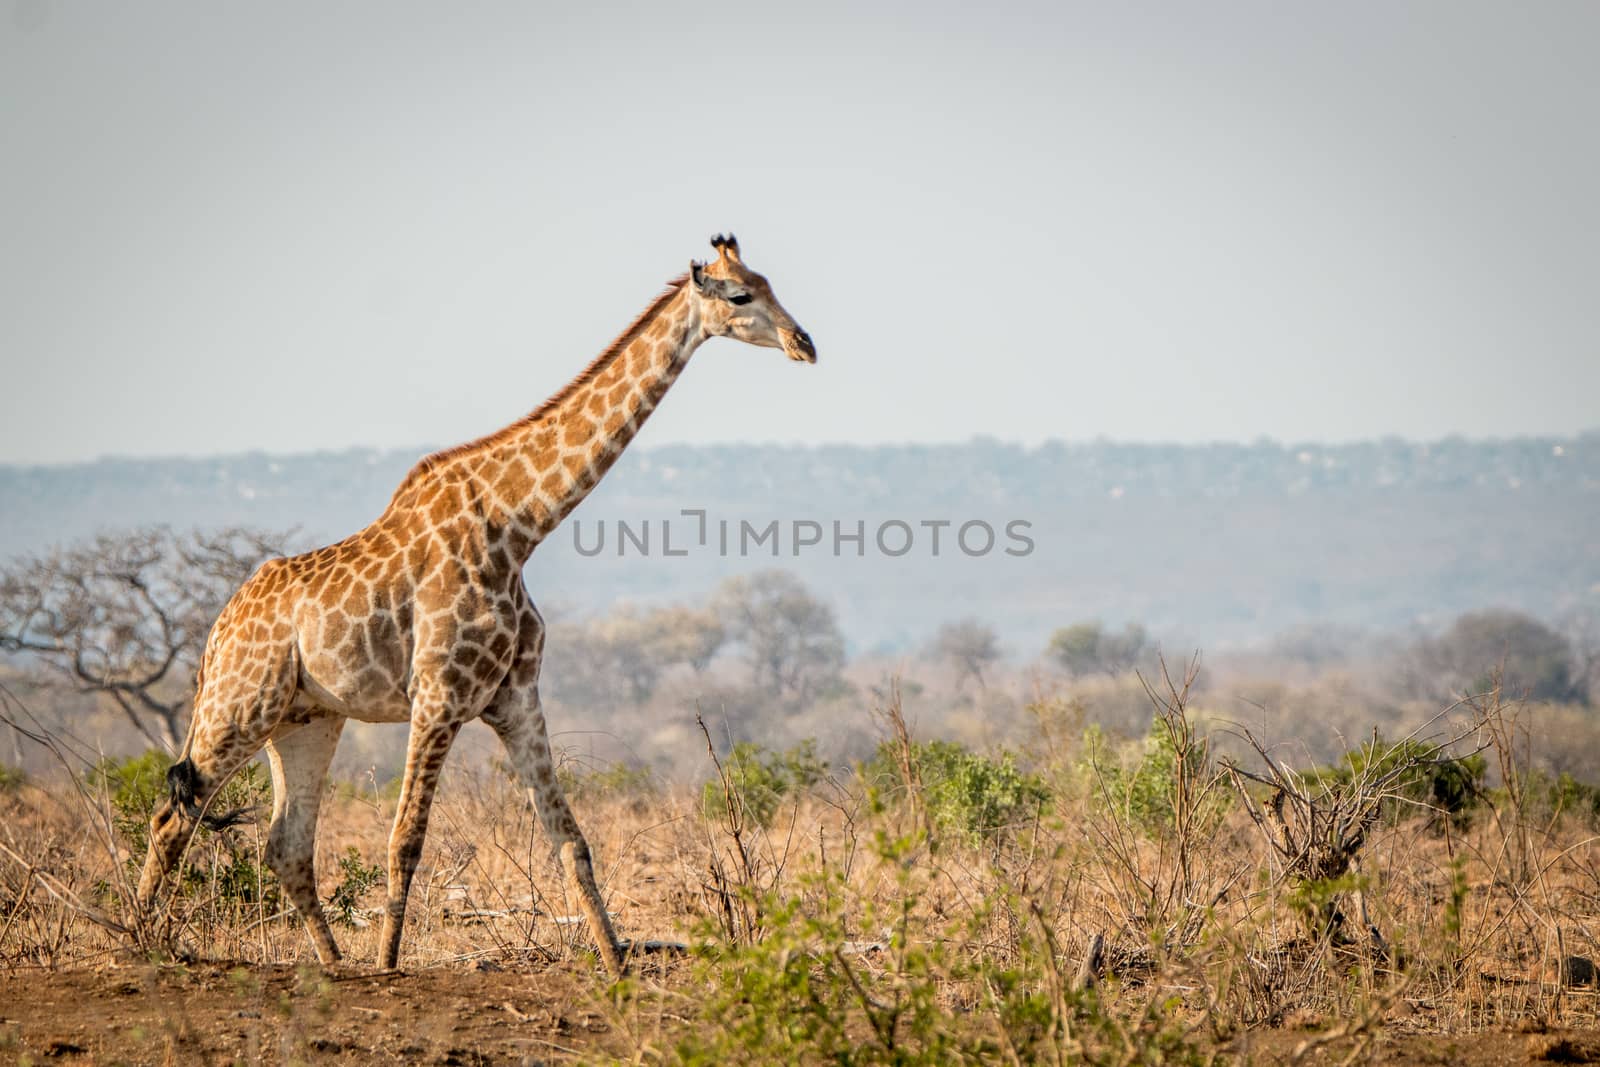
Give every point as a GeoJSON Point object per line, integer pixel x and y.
{"type": "Point", "coordinates": [620, 658]}
{"type": "Point", "coordinates": [968, 644]}
{"type": "Point", "coordinates": [1087, 647]}
{"type": "Point", "coordinates": [790, 639]}
{"type": "Point", "coordinates": [125, 615]}
{"type": "Point", "coordinates": [687, 635]}
{"type": "Point", "coordinates": [1534, 660]}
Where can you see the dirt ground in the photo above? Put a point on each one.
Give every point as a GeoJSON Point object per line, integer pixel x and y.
{"type": "Point", "coordinates": [220, 1014]}
{"type": "Point", "coordinates": [490, 1013]}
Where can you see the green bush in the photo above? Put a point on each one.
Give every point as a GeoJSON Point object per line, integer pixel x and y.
{"type": "Point", "coordinates": [1143, 790]}
{"type": "Point", "coordinates": [1430, 776]}
{"type": "Point", "coordinates": [809, 992]}
{"type": "Point", "coordinates": [975, 796]}
{"type": "Point", "coordinates": [1567, 794]}
{"type": "Point", "coordinates": [1550, 795]}
{"type": "Point", "coordinates": [134, 785]}
{"type": "Point", "coordinates": [759, 779]}
{"type": "Point", "coordinates": [356, 880]}
{"type": "Point", "coordinates": [616, 780]}
{"type": "Point", "coordinates": [797, 997]}
{"type": "Point", "coordinates": [12, 778]}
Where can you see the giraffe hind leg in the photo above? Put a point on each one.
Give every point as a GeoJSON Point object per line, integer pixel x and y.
{"type": "Point", "coordinates": [519, 722]}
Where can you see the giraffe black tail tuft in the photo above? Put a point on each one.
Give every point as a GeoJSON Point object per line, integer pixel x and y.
{"type": "Point", "coordinates": [227, 819]}
{"type": "Point", "coordinates": [183, 782]}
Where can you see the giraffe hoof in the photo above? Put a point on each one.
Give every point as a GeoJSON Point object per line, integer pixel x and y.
{"type": "Point", "coordinates": [652, 948]}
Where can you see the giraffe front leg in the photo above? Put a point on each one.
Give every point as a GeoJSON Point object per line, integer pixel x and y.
{"type": "Point", "coordinates": [300, 759]}
{"type": "Point", "coordinates": [425, 754]}
{"type": "Point", "coordinates": [519, 722]}
{"type": "Point", "coordinates": [234, 714]}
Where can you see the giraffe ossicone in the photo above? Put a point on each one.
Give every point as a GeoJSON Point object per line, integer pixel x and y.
{"type": "Point", "coordinates": [422, 617]}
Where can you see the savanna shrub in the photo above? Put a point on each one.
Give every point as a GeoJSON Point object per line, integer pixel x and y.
{"type": "Point", "coordinates": [134, 785]}
{"type": "Point", "coordinates": [809, 993]}
{"type": "Point", "coordinates": [1143, 789]}
{"type": "Point", "coordinates": [975, 796]}
{"type": "Point", "coordinates": [357, 878]}
{"type": "Point", "coordinates": [759, 779]}
{"type": "Point", "coordinates": [1560, 794]}
{"type": "Point", "coordinates": [615, 780]}
{"type": "Point", "coordinates": [12, 778]}
{"type": "Point", "coordinates": [797, 997]}
{"type": "Point", "coordinates": [1429, 776]}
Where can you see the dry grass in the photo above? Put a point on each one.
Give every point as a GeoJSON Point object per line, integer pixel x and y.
{"type": "Point", "coordinates": [1203, 924]}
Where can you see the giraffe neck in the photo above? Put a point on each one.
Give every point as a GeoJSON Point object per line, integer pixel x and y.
{"type": "Point", "coordinates": [534, 472]}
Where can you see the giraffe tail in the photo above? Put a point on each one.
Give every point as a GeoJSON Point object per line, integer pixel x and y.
{"type": "Point", "coordinates": [183, 781]}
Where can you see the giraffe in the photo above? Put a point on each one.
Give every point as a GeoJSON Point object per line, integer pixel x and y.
{"type": "Point", "coordinates": [423, 617]}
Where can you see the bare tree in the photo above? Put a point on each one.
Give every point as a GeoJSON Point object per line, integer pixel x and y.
{"type": "Point", "coordinates": [1317, 825]}
{"type": "Point", "coordinates": [125, 615]}
{"type": "Point", "coordinates": [968, 644]}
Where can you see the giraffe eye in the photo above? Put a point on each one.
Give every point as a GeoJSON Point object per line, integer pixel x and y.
{"type": "Point", "coordinates": [740, 298]}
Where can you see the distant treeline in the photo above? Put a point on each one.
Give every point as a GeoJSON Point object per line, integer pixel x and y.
{"type": "Point", "coordinates": [1222, 543]}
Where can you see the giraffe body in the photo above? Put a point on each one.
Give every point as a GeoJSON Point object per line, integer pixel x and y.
{"type": "Point", "coordinates": [423, 617]}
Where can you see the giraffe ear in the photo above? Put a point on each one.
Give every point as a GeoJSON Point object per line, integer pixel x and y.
{"type": "Point", "coordinates": [707, 285]}
{"type": "Point", "coordinates": [727, 247]}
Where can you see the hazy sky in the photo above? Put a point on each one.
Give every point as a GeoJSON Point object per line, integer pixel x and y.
{"type": "Point", "coordinates": [290, 226]}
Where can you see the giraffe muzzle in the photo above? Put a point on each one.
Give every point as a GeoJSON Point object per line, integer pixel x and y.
{"type": "Point", "coordinates": [800, 348]}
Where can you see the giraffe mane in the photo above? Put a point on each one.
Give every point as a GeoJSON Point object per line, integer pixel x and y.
{"type": "Point", "coordinates": [429, 463]}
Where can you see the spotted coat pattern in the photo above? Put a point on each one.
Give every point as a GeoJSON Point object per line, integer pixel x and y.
{"type": "Point", "coordinates": [423, 616]}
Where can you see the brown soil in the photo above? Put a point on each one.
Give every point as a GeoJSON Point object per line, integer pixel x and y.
{"type": "Point", "coordinates": [491, 1013]}
{"type": "Point", "coordinates": [221, 1014]}
{"type": "Point", "coordinates": [1492, 1047]}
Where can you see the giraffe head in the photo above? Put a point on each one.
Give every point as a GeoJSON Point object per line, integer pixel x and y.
{"type": "Point", "coordinates": [737, 302]}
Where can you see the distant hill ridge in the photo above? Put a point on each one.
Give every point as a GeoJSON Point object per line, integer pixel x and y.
{"type": "Point", "coordinates": [1214, 543]}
